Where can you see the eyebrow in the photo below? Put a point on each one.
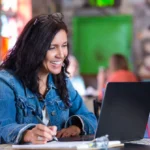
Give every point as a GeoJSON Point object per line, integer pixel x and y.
{"type": "Point", "coordinates": [66, 42]}
{"type": "Point", "coordinates": [57, 44]}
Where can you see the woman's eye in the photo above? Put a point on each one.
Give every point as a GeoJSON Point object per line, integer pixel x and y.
{"type": "Point", "coordinates": [53, 47]}
{"type": "Point", "coordinates": [65, 45]}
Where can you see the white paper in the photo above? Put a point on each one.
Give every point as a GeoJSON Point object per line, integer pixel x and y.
{"type": "Point", "coordinates": [61, 145]}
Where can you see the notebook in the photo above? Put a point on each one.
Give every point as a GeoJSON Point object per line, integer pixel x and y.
{"type": "Point", "coordinates": [125, 110]}
{"type": "Point", "coordinates": [56, 145]}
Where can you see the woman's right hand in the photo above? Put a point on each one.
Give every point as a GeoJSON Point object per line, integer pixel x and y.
{"type": "Point", "coordinates": [40, 134]}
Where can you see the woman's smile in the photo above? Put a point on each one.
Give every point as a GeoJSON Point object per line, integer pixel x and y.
{"type": "Point", "coordinates": [57, 53]}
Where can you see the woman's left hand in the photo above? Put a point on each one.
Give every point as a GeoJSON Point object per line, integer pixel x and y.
{"type": "Point", "coordinates": [70, 131]}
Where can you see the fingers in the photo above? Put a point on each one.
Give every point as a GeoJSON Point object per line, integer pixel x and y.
{"type": "Point", "coordinates": [53, 129]}
{"type": "Point", "coordinates": [74, 134]}
{"type": "Point", "coordinates": [41, 134]}
{"type": "Point", "coordinates": [44, 134]}
{"type": "Point", "coordinates": [61, 132]}
{"type": "Point", "coordinates": [29, 136]}
{"type": "Point", "coordinates": [67, 132]}
{"type": "Point", "coordinates": [39, 139]}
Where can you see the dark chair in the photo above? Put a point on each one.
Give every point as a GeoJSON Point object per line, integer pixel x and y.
{"type": "Point", "coordinates": [97, 105]}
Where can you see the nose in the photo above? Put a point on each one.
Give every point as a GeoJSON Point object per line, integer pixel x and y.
{"type": "Point", "coordinates": [60, 53]}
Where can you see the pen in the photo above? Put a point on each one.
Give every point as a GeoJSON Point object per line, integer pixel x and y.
{"type": "Point", "coordinates": [39, 119]}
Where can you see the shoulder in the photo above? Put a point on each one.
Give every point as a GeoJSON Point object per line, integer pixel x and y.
{"type": "Point", "coordinates": [70, 87]}
{"type": "Point", "coordinates": [117, 76]}
{"type": "Point", "coordinates": [68, 81]}
{"type": "Point", "coordinates": [8, 77]}
{"type": "Point", "coordinates": [119, 73]}
{"type": "Point", "coordinates": [122, 76]}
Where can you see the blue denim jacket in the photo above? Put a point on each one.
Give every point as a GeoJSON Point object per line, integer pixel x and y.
{"type": "Point", "coordinates": [17, 103]}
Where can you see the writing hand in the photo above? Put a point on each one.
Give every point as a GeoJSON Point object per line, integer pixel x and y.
{"type": "Point", "coordinates": [68, 132]}
{"type": "Point", "coordinates": [40, 134]}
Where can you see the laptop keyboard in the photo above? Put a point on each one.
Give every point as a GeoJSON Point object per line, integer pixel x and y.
{"type": "Point", "coordinates": [141, 142]}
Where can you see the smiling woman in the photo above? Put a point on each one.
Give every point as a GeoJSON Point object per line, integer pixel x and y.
{"type": "Point", "coordinates": [34, 87]}
{"type": "Point", "coordinates": [55, 57]}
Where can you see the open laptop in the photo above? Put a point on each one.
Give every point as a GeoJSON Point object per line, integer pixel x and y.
{"type": "Point", "coordinates": [125, 111]}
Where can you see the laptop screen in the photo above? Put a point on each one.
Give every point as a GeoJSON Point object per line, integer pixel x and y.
{"type": "Point", "coordinates": [125, 110]}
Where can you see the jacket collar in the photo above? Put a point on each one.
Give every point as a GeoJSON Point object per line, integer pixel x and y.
{"type": "Point", "coordinates": [51, 85]}
{"type": "Point", "coordinates": [51, 82]}
{"type": "Point", "coordinates": [28, 93]}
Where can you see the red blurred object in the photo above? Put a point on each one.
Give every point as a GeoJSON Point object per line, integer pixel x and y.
{"type": "Point", "coordinates": [4, 43]}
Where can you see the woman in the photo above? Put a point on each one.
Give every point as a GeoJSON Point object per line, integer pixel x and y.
{"type": "Point", "coordinates": [34, 86]}
{"type": "Point", "coordinates": [118, 72]}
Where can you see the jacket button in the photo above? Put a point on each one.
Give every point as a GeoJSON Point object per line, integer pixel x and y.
{"type": "Point", "coordinates": [53, 113]}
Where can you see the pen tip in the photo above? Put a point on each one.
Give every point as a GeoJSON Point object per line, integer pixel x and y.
{"type": "Point", "coordinates": [55, 138]}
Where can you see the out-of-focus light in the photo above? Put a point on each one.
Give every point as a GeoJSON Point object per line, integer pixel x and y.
{"type": "Point", "coordinates": [102, 3]}
{"type": "Point", "coordinates": [105, 2]}
{"type": "Point", "coordinates": [9, 4]}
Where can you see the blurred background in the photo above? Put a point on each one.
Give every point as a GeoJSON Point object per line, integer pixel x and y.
{"type": "Point", "coordinates": [97, 29]}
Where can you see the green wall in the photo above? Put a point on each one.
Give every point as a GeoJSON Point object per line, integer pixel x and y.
{"type": "Point", "coordinates": [95, 39]}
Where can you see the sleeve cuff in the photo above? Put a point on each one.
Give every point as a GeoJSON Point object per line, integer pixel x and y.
{"type": "Point", "coordinates": [20, 134]}
{"type": "Point", "coordinates": [76, 120]}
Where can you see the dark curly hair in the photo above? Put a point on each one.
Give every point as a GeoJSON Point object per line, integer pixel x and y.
{"type": "Point", "coordinates": [26, 57]}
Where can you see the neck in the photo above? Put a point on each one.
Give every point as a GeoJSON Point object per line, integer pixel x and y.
{"type": "Point", "coordinates": [43, 78]}
{"type": "Point", "coordinates": [42, 75]}
{"type": "Point", "coordinates": [42, 82]}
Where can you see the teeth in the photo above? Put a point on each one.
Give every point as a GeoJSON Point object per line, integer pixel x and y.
{"type": "Point", "coordinates": [56, 62]}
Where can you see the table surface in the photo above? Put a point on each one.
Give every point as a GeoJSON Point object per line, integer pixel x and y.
{"type": "Point", "coordinates": [126, 147]}
{"type": "Point", "coordinates": [87, 137]}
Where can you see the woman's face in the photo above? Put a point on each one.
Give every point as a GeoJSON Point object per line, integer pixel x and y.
{"type": "Point", "coordinates": [56, 54]}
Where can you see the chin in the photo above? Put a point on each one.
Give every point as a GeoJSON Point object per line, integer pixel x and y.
{"type": "Point", "coordinates": [56, 72]}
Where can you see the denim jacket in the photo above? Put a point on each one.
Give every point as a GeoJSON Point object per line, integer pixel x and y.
{"type": "Point", "coordinates": [17, 103]}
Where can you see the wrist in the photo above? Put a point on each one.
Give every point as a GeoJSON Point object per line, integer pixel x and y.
{"type": "Point", "coordinates": [27, 136]}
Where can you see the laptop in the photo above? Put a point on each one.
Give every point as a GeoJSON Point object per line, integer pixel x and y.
{"type": "Point", "coordinates": [125, 111]}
